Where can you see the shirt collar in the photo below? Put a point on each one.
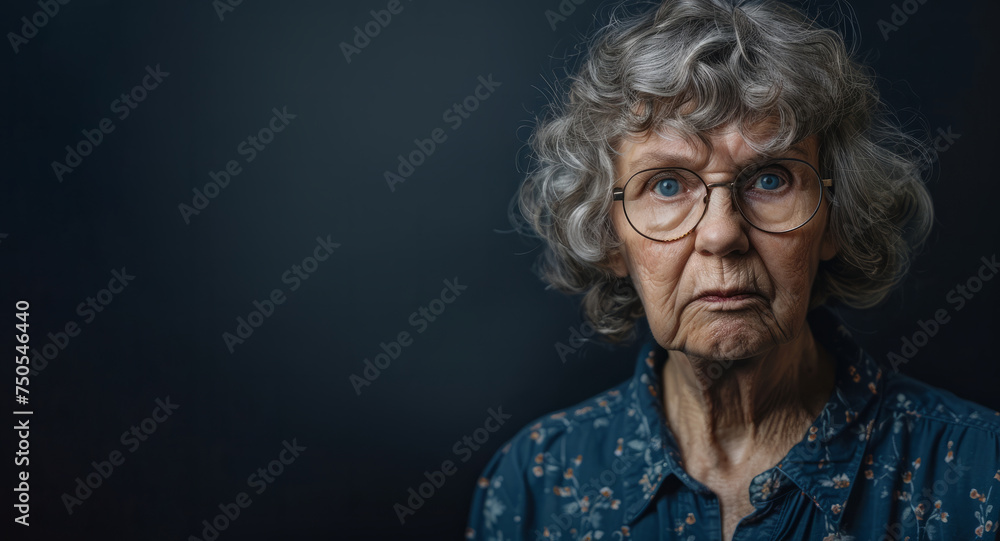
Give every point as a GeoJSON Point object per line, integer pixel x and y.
{"type": "Point", "coordinates": [823, 465]}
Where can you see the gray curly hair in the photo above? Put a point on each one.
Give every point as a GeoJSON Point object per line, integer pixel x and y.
{"type": "Point", "coordinates": [695, 66]}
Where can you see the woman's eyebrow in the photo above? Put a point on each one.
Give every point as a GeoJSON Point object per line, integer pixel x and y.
{"type": "Point", "coordinates": [654, 159]}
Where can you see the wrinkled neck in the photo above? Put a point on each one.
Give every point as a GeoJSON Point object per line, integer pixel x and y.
{"type": "Point", "coordinates": [725, 411]}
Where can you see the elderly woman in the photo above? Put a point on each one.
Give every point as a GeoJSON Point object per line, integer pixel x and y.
{"type": "Point", "coordinates": [723, 171]}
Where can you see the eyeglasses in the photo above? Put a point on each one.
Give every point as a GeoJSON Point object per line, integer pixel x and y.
{"type": "Point", "coordinates": [666, 204]}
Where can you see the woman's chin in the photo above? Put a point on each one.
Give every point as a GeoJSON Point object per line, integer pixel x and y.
{"type": "Point", "coordinates": [727, 350]}
{"type": "Point", "coordinates": [731, 337]}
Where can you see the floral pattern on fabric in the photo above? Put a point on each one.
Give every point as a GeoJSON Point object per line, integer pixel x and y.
{"type": "Point", "coordinates": [889, 457]}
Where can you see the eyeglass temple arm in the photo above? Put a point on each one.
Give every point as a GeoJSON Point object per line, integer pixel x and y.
{"type": "Point", "coordinates": [827, 182]}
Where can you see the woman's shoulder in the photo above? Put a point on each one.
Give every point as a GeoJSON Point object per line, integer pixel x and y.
{"type": "Point", "coordinates": [906, 395]}
{"type": "Point", "coordinates": [923, 427]}
{"type": "Point", "coordinates": [571, 451]}
{"type": "Point", "coordinates": [936, 458]}
{"type": "Point", "coordinates": [586, 424]}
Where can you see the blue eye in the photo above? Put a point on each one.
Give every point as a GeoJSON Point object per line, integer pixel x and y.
{"type": "Point", "coordinates": [667, 187]}
{"type": "Point", "coordinates": [768, 181]}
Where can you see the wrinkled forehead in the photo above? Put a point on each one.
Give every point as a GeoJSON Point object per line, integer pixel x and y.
{"type": "Point", "coordinates": [727, 148]}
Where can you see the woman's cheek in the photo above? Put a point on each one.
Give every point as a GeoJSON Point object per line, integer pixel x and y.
{"type": "Point", "coordinates": [793, 268]}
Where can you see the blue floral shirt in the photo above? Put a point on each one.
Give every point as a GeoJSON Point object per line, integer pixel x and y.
{"type": "Point", "coordinates": [889, 458]}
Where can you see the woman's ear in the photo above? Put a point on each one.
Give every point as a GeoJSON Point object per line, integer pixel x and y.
{"type": "Point", "coordinates": [616, 263]}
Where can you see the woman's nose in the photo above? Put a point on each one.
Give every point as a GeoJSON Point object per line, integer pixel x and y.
{"type": "Point", "coordinates": [722, 230]}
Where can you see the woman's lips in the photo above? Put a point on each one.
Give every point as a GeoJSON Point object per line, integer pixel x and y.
{"type": "Point", "coordinates": [734, 298]}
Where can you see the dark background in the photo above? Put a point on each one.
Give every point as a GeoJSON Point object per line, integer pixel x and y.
{"type": "Point", "coordinates": [323, 176]}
